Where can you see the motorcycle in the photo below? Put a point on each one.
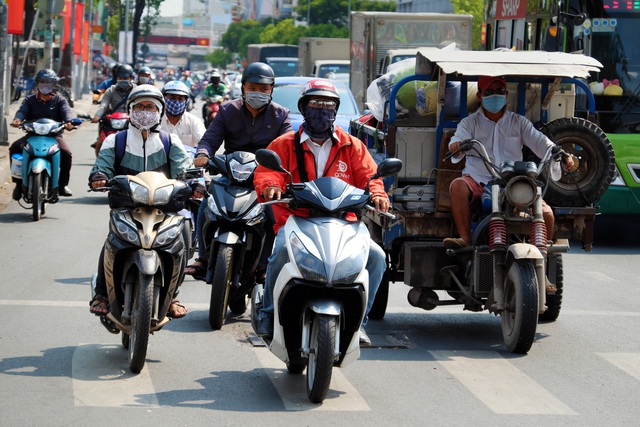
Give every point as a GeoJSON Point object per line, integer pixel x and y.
{"type": "Point", "coordinates": [144, 259]}
{"type": "Point", "coordinates": [213, 106]}
{"type": "Point", "coordinates": [110, 124]}
{"type": "Point", "coordinates": [320, 295]}
{"type": "Point", "coordinates": [192, 206]}
{"type": "Point", "coordinates": [233, 233]}
{"type": "Point", "coordinates": [505, 268]}
{"type": "Point", "coordinates": [41, 164]}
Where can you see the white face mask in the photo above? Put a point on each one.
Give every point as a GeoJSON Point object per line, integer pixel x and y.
{"type": "Point", "coordinates": [143, 80]}
{"type": "Point", "coordinates": [45, 88]}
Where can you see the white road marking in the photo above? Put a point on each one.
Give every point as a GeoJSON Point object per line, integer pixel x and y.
{"type": "Point", "coordinates": [628, 362]}
{"type": "Point", "coordinates": [600, 276]}
{"type": "Point", "coordinates": [292, 389]}
{"type": "Point", "coordinates": [498, 384]}
{"type": "Point", "coordinates": [101, 377]}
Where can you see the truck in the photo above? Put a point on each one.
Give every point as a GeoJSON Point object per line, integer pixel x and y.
{"type": "Point", "coordinates": [374, 33]}
{"type": "Point", "coordinates": [333, 52]}
{"type": "Point", "coordinates": [260, 52]}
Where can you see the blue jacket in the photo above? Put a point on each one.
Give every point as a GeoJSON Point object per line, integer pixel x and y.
{"type": "Point", "coordinates": [235, 126]}
{"type": "Point", "coordinates": [34, 108]}
{"type": "Point", "coordinates": [106, 84]}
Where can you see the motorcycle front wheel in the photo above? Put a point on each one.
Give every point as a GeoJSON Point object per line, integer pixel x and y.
{"type": "Point", "coordinates": [220, 286]}
{"type": "Point", "coordinates": [520, 317]}
{"type": "Point", "coordinates": [320, 362]}
{"type": "Point", "coordinates": [37, 194]}
{"type": "Point", "coordinates": [141, 313]}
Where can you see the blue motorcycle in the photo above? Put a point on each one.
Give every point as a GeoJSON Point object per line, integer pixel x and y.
{"type": "Point", "coordinates": [41, 163]}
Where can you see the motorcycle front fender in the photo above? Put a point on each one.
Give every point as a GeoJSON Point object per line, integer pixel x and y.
{"type": "Point", "coordinates": [38, 165]}
{"type": "Point", "coordinates": [523, 251]}
{"type": "Point", "coordinates": [324, 306]}
{"type": "Point", "coordinates": [229, 238]}
{"type": "Point", "coordinates": [147, 262]}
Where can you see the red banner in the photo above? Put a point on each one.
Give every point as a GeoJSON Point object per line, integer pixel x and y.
{"type": "Point", "coordinates": [66, 10]}
{"type": "Point", "coordinates": [202, 42]}
{"type": "Point", "coordinates": [85, 42]}
{"type": "Point", "coordinates": [77, 32]}
{"type": "Point", "coordinates": [66, 32]}
{"type": "Point", "coordinates": [15, 18]}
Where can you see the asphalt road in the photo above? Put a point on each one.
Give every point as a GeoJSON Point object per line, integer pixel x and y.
{"type": "Point", "coordinates": [60, 367]}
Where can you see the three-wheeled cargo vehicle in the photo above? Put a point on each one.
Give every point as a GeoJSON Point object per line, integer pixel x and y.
{"type": "Point", "coordinates": [511, 267]}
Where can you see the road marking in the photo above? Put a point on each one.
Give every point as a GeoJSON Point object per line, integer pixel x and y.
{"type": "Point", "coordinates": [600, 276]}
{"type": "Point", "coordinates": [292, 389]}
{"type": "Point", "coordinates": [628, 362]}
{"type": "Point", "coordinates": [101, 377]}
{"type": "Point", "coordinates": [44, 303]}
{"type": "Point", "coordinates": [498, 384]}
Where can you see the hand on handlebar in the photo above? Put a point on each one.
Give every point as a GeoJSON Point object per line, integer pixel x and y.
{"type": "Point", "coordinates": [98, 184]}
{"type": "Point", "coordinates": [272, 193]}
{"type": "Point", "coordinates": [201, 161]}
{"type": "Point", "coordinates": [380, 203]}
{"type": "Point", "coordinates": [69, 126]}
{"type": "Point", "coordinates": [16, 123]}
{"type": "Point", "coordinates": [95, 119]}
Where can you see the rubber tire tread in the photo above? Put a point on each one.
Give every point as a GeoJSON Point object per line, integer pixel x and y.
{"type": "Point", "coordinates": [323, 369]}
{"type": "Point", "coordinates": [220, 286]}
{"type": "Point", "coordinates": [554, 302]}
{"type": "Point", "coordinates": [141, 323]}
{"type": "Point", "coordinates": [379, 306]}
{"type": "Point", "coordinates": [36, 195]}
{"type": "Point", "coordinates": [523, 276]}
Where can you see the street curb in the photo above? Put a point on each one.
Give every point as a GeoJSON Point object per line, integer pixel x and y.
{"type": "Point", "coordinates": [83, 105]}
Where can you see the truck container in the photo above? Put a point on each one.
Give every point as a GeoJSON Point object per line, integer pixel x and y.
{"type": "Point", "coordinates": [374, 33]}
{"type": "Point", "coordinates": [313, 49]}
{"type": "Point", "coordinates": [260, 52]}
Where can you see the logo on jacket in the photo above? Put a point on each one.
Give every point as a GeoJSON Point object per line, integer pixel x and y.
{"type": "Point", "coordinates": [342, 166]}
{"type": "Point", "coordinates": [342, 171]}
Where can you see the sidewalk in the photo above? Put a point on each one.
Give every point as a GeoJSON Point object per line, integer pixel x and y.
{"type": "Point", "coordinates": [81, 106]}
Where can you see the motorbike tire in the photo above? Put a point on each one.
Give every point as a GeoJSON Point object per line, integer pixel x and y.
{"type": "Point", "coordinates": [320, 361]}
{"type": "Point", "coordinates": [125, 340]}
{"type": "Point", "coordinates": [379, 307]}
{"type": "Point", "coordinates": [220, 286]}
{"type": "Point", "coordinates": [520, 319]}
{"type": "Point", "coordinates": [597, 166]}
{"type": "Point", "coordinates": [44, 191]}
{"type": "Point", "coordinates": [238, 306]}
{"type": "Point", "coordinates": [36, 195]}
{"type": "Point", "coordinates": [141, 313]}
{"type": "Point", "coordinates": [296, 368]}
{"type": "Point", "coordinates": [554, 302]}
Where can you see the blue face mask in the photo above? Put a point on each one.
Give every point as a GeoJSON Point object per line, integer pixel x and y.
{"type": "Point", "coordinates": [494, 103]}
{"type": "Point", "coordinates": [175, 108]}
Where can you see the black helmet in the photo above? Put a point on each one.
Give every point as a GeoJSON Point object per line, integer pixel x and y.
{"type": "Point", "coordinates": [318, 87]}
{"type": "Point", "coordinates": [125, 71]}
{"type": "Point", "coordinates": [46, 76]}
{"type": "Point", "coordinates": [114, 70]}
{"type": "Point", "coordinates": [144, 70]}
{"type": "Point", "coordinates": [258, 72]}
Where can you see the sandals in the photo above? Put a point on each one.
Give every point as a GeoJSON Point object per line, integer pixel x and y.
{"type": "Point", "coordinates": [99, 305]}
{"type": "Point", "coordinates": [177, 310]}
{"type": "Point", "coordinates": [198, 268]}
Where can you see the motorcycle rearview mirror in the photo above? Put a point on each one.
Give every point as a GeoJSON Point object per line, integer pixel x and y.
{"type": "Point", "coordinates": [75, 121]}
{"type": "Point", "coordinates": [271, 160]}
{"type": "Point", "coordinates": [387, 167]}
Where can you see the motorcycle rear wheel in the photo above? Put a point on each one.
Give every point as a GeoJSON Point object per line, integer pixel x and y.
{"type": "Point", "coordinates": [142, 311]}
{"type": "Point", "coordinates": [320, 362]}
{"type": "Point", "coordinates": [220, 286]}
{"type": "Point", "coordinates": [520, 317]}
{"type": "Point", "coordinates": [554, 302]}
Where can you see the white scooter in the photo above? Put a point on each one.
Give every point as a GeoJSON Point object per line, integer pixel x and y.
{"type": "Point", "coordinates": [320, 295]}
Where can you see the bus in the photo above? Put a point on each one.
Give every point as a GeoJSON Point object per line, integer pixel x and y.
{"type": "Point", "coordinates": [606, 30]}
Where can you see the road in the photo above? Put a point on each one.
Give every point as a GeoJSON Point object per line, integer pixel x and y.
{"type": "Point", "coordinates": [60, 367]}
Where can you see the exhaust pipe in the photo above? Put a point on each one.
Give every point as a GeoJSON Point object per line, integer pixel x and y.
{"type": "Point", "coordinates": [424, 298]}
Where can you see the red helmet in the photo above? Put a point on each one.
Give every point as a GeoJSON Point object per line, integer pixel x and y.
{"type": "Point", "coordinates": [318, 87]}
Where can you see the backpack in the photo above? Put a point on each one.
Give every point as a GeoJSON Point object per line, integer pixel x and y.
{"type": "Point", "coordinates": [121, 145]}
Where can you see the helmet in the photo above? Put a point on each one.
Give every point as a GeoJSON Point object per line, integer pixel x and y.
{"type": "Point", "coordinates": [125, 71]}
{"type": "Point", "coordinates": [258, 72]}
{"type": "Point", "coordinates": [215, 74]}
{"type": "Point", "coordinates": [318, 87]}
{"type": "Point", "coordinates": [47, 75]}
{"type": "Point", "coordinates": [144, 70]}
{"type": "Point", "coordinates": [114, 69]}
{"type": "Point", "coordinates": [145, 91]}
{"type": "Point", "coordinates": [175, 87]}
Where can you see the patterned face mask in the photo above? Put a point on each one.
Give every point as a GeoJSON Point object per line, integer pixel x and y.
{"type": "Point", "coordinates": [174, 107]}
{"type": "Point", "coordinates": [144, 120]}
{"type": "Point", "coordinates": [45, 88]}
{"type": "Point", "coordinates": [318, 122]}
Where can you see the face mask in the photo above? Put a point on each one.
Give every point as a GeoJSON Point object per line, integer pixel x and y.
{"type": "Point", "coordinates": [494, 103]}
{"type": "Point", "coordinates": [318, 122]}
{"type": "Point", "coordinates": [124, 84]}
{"type": "Point", "coordinates": [257, 100]}
{"type": "Point", "coordinates": [45, 88]}
{"type": "Point", "coordinates": [175, 108]}
{"type": "Point", "coordinates": [144, 120]}
{"type": "Point", "coordinates": [143, 80]}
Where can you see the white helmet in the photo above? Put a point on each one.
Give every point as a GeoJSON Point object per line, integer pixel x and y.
{"type": "Point", "coordinates": [175, 87]}
{"type": "Point", "coordinates": [146, 91]}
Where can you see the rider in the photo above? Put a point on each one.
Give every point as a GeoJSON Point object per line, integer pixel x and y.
{"type": "Point", "coordinates": [212, 89]}
{"type": "Point", "coordinates": [45, 104]}
{"type": "Point", "coordinates": [503, 133]}
{"type": "Point", "coordinates": [327, 151]}
{"type": "Point", "coordinates": [144, 151]}
{"type": "Point", "coordinates": [244, 124]}
{"type": "Point", "coordinates": [144, 76]}
{"type": "Point", "coordinates": [177, 120]}
{"type": "Point", "coordinates": [106, 84]}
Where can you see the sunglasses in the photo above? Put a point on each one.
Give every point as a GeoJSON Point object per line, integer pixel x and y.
{"type": "Point", "coordinates": [319, 103]}
{"type": "Point", "coordinates": [499, 91]}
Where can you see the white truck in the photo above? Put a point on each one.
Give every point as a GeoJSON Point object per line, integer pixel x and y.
{"type": "Point", "coordinates": [375, 33]}
{"type": "Point", "coordinates": [318, 56]}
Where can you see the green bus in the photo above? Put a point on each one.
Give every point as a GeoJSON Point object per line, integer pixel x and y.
{"type": "Point", "coordinates": [606, 30]}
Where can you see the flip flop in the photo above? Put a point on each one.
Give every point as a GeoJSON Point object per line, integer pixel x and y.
{"type": "Point", "coordinates": [175, 309]}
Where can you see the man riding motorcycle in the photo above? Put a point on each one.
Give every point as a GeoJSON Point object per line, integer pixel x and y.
{"type": "Point", "coordinates": [45, 104]}
{"type": "Point", "coordinates": [326, 150]}
{"type": "Point", "coordinates": [212, 89]}
{"type": "Point", "coordinates": [144, 76]}
{"type": "Point", "coordinates": [176, 119]}
{"type": "Point", "coordinates": [144, 151]}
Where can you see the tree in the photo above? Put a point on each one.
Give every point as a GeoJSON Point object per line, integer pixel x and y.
{"type": "Point", "coordinates": [219, 58]}
{"type": "Point", "coordinates": [475, 8]}
{"type": "Point", "coordinates": [335, 11]}
{"type": "Point", "coordinates": [284, 32]}
{"type": "Point", "coordinates": [240, 34]}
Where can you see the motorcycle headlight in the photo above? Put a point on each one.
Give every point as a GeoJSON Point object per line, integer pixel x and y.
{"type": "Point", "coordinates": [125, 229]}
{"type": "Point", "coordinates": [212, 205]}
{"type": "Point", "coordinates": [162, 195]}
{"type": "Point", "coordinates": [355, 254]}
{"type": "Point", "coordinates": [253, 217]}
{"type": "Point", "coordinates": [166, 235]}
{"type": "Point", "coordinates": [42, 128]}
{"type": "Point", "coordinates": [241, 172]}
{"type": "Point", "coordinates": [311, 267]}
{"type": "Point", "coordinates": [119, 123]}
{"type": "Point", "coordinates": [139, 193]}
{"type": "Point", "coordinates": [521, 191]}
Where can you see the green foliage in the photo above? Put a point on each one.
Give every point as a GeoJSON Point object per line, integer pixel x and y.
{"type": "Point", "coordinates": [241, 34]}
{"type": "Point", "coordinates": [285, 32]}
{"type": "Point", "coordinates": [475, 8]}
{"type": "Point", "coordinates": [219, 58]}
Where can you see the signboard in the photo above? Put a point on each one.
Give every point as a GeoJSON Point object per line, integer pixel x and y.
{"type": "Point", "coordinates": [511, 9]}
{"type": "Point", "coordinates": [175, 40]}
{"type": "Point", "coordinates": [96, 29]}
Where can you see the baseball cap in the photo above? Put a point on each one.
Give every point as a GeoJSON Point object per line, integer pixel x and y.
{"type": "Point", "coordinates": [485, 81]}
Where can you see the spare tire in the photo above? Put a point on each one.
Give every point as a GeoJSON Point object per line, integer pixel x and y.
{"type": "Point", "coordinates": [596, 168]}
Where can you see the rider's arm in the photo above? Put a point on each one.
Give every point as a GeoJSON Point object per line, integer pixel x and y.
{"type": "Point", "coordinates": [104, 103]}
{"type": "Point", "coordinates": [104, 169]}
{"type": "Point", "coordinates": [23, 111]}
{"type": "Point", "coordinates": [464, 131]}
{"type": "Point", "coordinates": [64, 111]}
{"type": "Point", "coordinates": [363, 167]}
{"type": "Point", "coordinates": [179, 160]}
{"type": "Point", "coordinates": [214, 135]}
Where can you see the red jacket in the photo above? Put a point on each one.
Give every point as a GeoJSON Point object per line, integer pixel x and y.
{"type": "Point", "coordinates": [349, 160]}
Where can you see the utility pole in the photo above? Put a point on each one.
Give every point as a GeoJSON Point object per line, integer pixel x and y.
{"type": "Point", "coordinates": [126, 31]}
{"type": "Point", "coordinates": [48, 35]}
{"type": "Point", "coordinates": [4, 72]}
{"type": "Point", "coordinates": [72, 36]}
